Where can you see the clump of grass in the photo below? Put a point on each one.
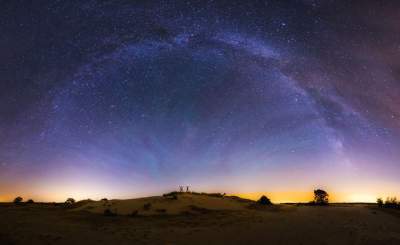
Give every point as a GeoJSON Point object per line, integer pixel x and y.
{"type": "Point", "coordinates": [208, 194]}
{"type": "Point", "coordinates": [108, 212]}
{"type": "Point", "coordinates": [199, 209]}
{"type": "Point", "coordinates": [89, 207]}
{"type": "Point", "coordinates": [147, 206]}
{"type": "Point", "coordinates": [161, 210]}
{"type": "Point", "coordinates": [214, 194]}
{"type": "Point", "coordinates": [134, 213]}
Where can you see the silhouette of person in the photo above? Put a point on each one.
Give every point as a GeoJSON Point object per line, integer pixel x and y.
{"type": "Point", "coordinates": [187, 188]}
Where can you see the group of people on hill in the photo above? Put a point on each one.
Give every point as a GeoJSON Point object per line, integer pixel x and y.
{"type": "Point", "coordinates": [181, 188]}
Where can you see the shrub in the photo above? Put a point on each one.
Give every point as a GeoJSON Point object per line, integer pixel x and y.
{"type": "Point", "coordinates": [70, 201]}
{"type": "Point", "coordinates": [108, 212]}
{"type": "Point", "coordinates": [214, 194]}
{"type": "Point", "coordinates": [18, 200]}
{"type": "Point", "coordinates": [264, 201]}
{"type": "Point", "coordinates": [134, 213]}
{"type": "Point", "coordinates": [172, 195]}
{"type": "Point", "coordinates": [161, 210]}
{"type": "Point", "coordinates": [104, 200]}
{"type": "Point", "coordinates": [199, 209]}
{"type": "Point", "coordinates": [30, 201]}
{"type": "Point", "coordinates": [321, 197]}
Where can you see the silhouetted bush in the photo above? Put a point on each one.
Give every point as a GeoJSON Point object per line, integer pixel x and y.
{"type": "Point", "coordinates": [391, 202]}
{"type": "Point", "coordinates": [264, 201]}
{"type": "Point", "coordinates": [108, 212]}
{"type": "Point", "coordinates": [379, 201]}
{"type": "Point", "coordinates": [18, 200]}
{"type": "Point", "coordinates": [30, 201]}
{"type": "Point", "coordinates": [208, 194]}
{"type": "Point", "coordinates": [104, 200]}
{"type": "Point", "coordinates": [214, 194]}
{"type": "Point", "coordinates": [147, 206]}
{"type": "Point", "coordinates": [321, 197]}
{"type": "Point", "coordinates": [70, 201]}
{"type": "Point", "coordinates": [172, 195]}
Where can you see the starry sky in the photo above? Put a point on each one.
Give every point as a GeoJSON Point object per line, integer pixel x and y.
{"type": "Point", "coordinates": [123, 99]}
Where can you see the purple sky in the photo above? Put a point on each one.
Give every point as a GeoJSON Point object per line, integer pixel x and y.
{"type": "Point", "coordinates": [129, 99]}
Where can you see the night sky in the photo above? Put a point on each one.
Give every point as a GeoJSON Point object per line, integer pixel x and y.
{"type": "Point", "coordinates": [123, 99]}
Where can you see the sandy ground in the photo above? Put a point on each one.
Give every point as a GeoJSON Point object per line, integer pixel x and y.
{"type": "Point", "coordinates": [281, 224]}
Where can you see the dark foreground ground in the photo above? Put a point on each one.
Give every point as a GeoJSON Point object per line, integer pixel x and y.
{"type": "Point", "coordinates": [338, 224]}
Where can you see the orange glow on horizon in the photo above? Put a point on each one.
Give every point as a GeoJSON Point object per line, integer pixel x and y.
{"type": "Point", "coordinates": [302, 197]}
{"type": "Point", "coordinates": [280, 197]}
{"type": "Point", "coordinates": [276, 197]}
{"type": "Point", "coordinates": [50, 192]}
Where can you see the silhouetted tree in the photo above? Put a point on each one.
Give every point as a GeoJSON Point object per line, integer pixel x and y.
{"type": "Point", "coordinates": [18, 200]}
{"type": "Point", "coordinates": [264, 201]}
{"type": "Point", "coordinates": [30, 201]}
{"type": "Point", "coordinates": [321, 197]}
{"type": "Point", "coordinates": [379, 201]}
{"type": "Point", "coordinates": [70, 201]}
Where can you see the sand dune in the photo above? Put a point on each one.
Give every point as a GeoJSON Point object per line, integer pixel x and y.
{"type": "Point", "coordinates": [172, 204]}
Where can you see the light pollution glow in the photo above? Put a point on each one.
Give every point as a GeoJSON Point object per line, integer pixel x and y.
{"type": "Point", "coordinates": [59, 188]}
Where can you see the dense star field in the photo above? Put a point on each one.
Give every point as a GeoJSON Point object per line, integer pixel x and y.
{"type": "Point", "coordinates": [131, 98]}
